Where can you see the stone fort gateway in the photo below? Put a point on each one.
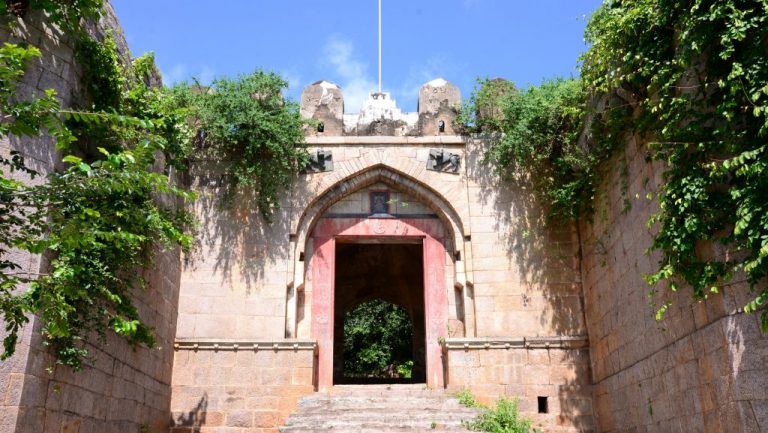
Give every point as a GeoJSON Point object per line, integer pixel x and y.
{"type": "Point", "coordinates": [400, 207]}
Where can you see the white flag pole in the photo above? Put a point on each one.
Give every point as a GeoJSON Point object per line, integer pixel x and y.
{"type": "Point", "coordinates": [379, 46]}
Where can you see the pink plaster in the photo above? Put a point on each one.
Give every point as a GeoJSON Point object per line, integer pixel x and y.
{"type": "Point", "coordinates": [322, 267]}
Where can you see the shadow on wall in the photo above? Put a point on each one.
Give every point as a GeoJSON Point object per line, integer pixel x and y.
{"type": "Point", "coordinates": [549, 299]}
{"type": "Point", "coordinates": [191, 421]}
{"type": "Point", "coordinates": [233, 239]}
{"type": "Point", "coordinates": [547, 254]}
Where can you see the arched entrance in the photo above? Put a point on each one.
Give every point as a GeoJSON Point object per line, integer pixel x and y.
{"type": "Point", "coordinates": [426, 236]}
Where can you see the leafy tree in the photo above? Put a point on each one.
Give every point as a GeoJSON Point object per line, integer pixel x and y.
{"type": "Point", "coordinates": [377, 336]}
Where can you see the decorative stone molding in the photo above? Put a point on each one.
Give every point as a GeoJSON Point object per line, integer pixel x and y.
{"type": "Point", "coordinates": [443, 161]}
{"type": "Point", "coordinates": [319, 161]}
{"type": "Point", "coordinates": [243, 345]}
{"type": "Point", "coordinates": [444, 140]}
{"type": "Point", "coordinates": [487, 343]}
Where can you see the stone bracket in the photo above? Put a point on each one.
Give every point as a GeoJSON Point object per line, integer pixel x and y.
{"type": "Point", "coordinates": [320, 161]}
{"type": "Point", "coordinates": [443, 161]}
{"type": "Point", "coordinates": [244, 345]}
{"type": "Point", "coordinates": [480, 343]}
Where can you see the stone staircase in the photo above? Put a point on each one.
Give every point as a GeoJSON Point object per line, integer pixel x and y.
{"type": "Point", "coordinates": [379, 408]}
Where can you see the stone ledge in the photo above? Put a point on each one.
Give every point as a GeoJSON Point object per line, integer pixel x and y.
{"type": "Point", "coordinates": [487, 343]}
{"type": "Point", "coordinates": [456, 140]}
{"type": "Point", "coordinates": [244, 345]}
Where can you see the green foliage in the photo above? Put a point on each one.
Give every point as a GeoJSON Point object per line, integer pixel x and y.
{"type": "Point", "coordinates": [377, 337]}
{"type": "Point", "coordinates": [689, 77]}
{"type": "Point", "coordinates": [539, 141]}
{"type": "Point", "coordinates": [504, 418]}
{"type": "Point", "coordinates": [25, 117]}
{"type": "Point", "coordinates": [104, 224]}
{"type": "Point", "coordinates": [466, 398]}
{"type": "Point", "coordinates": [104, 76]}
{"type": "Point", "coordinates": [21, 118]}
{"type": "Point", "coordinates": [99, 221]}
{"type": "Point", "coordinates": [68, 14]}
{"type": "Point", "coordinates": [405, 370]}
{"type": "Point", "coordinates": [248, 122]}
{"type": "Point", "coordinates": [693, 78]}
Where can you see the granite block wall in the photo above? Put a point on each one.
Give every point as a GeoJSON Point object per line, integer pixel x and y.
{"type": "Point", "coordinates": [551, 385]}
{"type": "Point", "coordinates": [701, 369]}
{"type": "Point", "coordinates": [123, 389]}
{"type": "Point", "coordinates": [238, 391]}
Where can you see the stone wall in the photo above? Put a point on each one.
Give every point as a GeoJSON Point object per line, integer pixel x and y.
{"type": "Point", "coordinates": [557, 374]}
{"type": "Point", "coordinates": [525, 270]}
{"type": "Point", "coordinates": [124, 390]}
{"type": "Point", "coordinates": [238, 391]}
{"type": "Point", "coordinates": [700, 369]}
{"type": "Point", "coordinates": [508, 274]}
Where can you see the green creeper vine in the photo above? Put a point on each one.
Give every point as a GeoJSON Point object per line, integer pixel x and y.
{"type": "Point", "coordinates": [100, 220]}
{"type": "Point", "coordinates": [247, 122]}
{"type": "Point", "coordinates": [691, 79]}
{"type": "Point", "coordinates": [67, 14]}
{"type": "Point", "coordinates": [539, 139]}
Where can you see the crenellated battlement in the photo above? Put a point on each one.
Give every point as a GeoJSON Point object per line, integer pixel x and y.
{"type": "Point", "coordinates": [439, 101]}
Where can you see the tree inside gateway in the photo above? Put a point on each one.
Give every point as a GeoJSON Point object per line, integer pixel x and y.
{"type": "Point", "coordinates": [378, 341]}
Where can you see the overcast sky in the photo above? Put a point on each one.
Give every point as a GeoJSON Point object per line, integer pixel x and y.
{"type": "Point", "coordinates": [308, 40]}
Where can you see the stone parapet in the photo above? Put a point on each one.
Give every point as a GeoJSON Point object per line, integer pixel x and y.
{"type": "Point", "coordinates": [506, 343]}
{"type": "Point", "coordinates": [451, 140]}
{"type": "Point", "coordinates": [246, 345]}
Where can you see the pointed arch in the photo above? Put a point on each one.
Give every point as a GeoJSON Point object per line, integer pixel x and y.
{"type": "Point", "coordinates": [396, 180]}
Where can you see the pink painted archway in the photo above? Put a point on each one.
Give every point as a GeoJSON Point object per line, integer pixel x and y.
{"type": "Point", "coordinates": [431, 233]}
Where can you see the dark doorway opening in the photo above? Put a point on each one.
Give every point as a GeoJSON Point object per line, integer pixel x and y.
{"type": "Point", "coordinates": [380, 285]}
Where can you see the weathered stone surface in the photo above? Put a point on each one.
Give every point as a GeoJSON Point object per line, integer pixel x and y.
{"type": "Point", "coordinates": [125, 388]}
{"type": "Point", "coordinates": [698, 367]}
{"type": "Point", "coordinates": [506, 274]}
{"type": "Point", "coordinates": [388, 408]}
{"type": "Point", "coordinates": [438, 102]}
{"type": "Point", "coordinates": [323, 101]}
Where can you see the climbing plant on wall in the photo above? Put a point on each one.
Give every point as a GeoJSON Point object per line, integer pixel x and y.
{"type": "Point", "coordinates": [67, 14]}
{"type": "Point", "coordinates": [692, 78]}
{"type": "Point", "coordinates": [99, 220]}
{"type": "Point", "coordinates": [539, 130]}
{"type": "Point", "coordinates": [247, 122]}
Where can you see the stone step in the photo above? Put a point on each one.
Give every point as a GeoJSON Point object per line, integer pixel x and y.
{"type": "Point", "coordinates": [364, 415]}
{"type": "Point", "coordinates": [379, 408]}
{"type": "Point", "coordinates": [371, 429]}
{"type": "Point", "coordinates": [386, 410]}
{"type": "Point", "coordinates": [394, 421]}
{"type": "Point", "coordinates": [379, 402]}
{"type": "Point", "coordinates": [374, 427]}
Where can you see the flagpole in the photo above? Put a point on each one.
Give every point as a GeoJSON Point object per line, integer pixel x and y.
{"type": "Point", "coordinates": [379, 46]}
